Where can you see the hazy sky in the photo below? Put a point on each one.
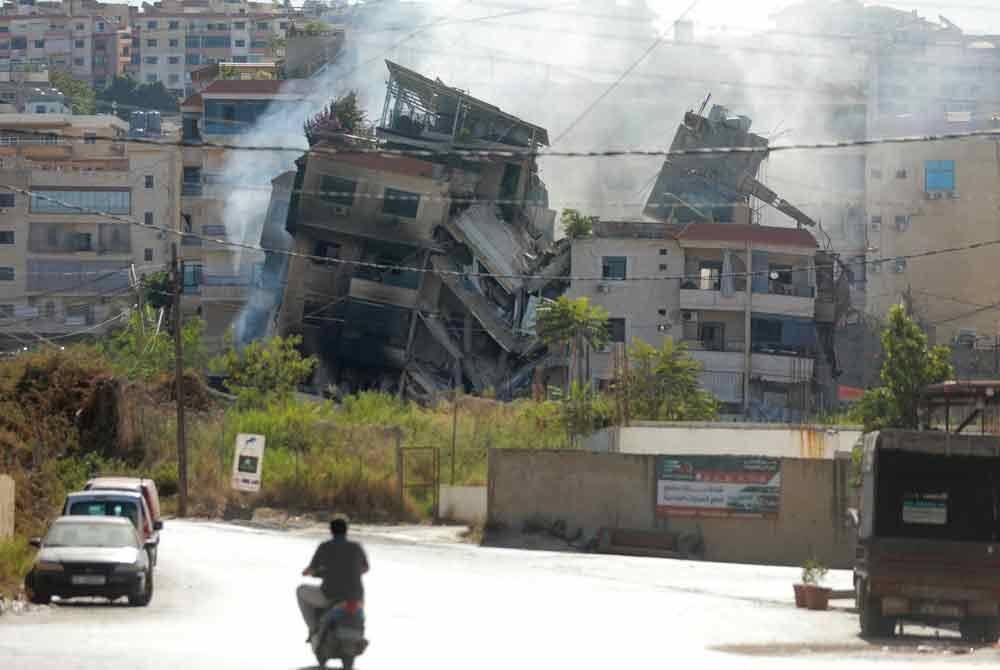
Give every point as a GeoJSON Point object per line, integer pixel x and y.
{"type": "Point", "coordinates": [973, 16]}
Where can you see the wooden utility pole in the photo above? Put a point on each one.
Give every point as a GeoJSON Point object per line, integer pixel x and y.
{"type": "Point", "coordinates": [182, 488]}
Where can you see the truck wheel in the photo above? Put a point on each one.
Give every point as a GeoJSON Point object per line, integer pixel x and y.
{"type": "Point", "coordinates": [143, 598]}
{"type": "Point", "coordinates": [978, 630]}
{"type": "Point", "coordinates": [873, 624]}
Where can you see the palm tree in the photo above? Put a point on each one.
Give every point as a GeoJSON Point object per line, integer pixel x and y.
{"type": "Point", "coordinates": [576, 324]}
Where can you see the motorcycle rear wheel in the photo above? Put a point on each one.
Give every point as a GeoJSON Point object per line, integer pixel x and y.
{"type": "Point", "coordinates": [348, 662]}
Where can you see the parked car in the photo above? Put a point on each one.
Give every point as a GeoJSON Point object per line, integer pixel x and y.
{"type": "Point", "coordinates": [90, 556]}
{"type": "Point", "coordinates": [143, 485]}
{"type": "Point", "coordinates": [129, 504]}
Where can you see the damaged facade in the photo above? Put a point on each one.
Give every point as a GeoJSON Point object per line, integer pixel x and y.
{"type": "Point", "coordinates": [404, 303]}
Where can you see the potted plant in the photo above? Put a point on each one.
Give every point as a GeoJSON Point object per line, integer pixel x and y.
{"type": "Point", "coordinates": [815, 596]}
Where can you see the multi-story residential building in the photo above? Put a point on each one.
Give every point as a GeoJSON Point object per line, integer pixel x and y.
{"type": "Point", "coordinates": [219, 278]}
{"type": "Point", "coordinates": [755, 335]}
{"type": "Point", "coordinates": [407, 318]}
{"type": "Point", "coordinates": [169, 45]}
{"type": "Point", "coordinates": [66, 250]}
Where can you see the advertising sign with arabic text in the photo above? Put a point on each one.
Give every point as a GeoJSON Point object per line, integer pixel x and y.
{"type": "Point", "coordinates": [718, 486]}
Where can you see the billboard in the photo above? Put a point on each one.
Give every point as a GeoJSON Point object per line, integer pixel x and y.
{"type": "Point", "coordinates": [248, 458]}
{"type": "Point", "coordinates": [718, 486]}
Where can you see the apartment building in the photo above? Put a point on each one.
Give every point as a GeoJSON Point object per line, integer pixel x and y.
{"type": "Point", "coordinates": [167, 46]}
{"type": "Point", "coordinates": [219, 279]}
{"type": "Point", "coordinates": [755, 337]}
{"type": "Point", "coordinates": [384, 323]}
{"type": "Point", "coordinates": [65, 251]}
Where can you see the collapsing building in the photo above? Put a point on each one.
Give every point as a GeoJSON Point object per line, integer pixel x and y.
{"type": "Point", "coordinates": [420, 239]}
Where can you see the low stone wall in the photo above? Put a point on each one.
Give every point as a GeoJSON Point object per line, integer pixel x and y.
{"type": "Point", "coordinates": [466, 504]}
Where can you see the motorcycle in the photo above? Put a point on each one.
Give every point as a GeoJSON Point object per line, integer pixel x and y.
{"type": "Point", "coordinates": [341, 634]}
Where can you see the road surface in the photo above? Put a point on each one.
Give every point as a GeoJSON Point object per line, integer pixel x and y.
{"type": "Point", "coordinates": [224, 600]}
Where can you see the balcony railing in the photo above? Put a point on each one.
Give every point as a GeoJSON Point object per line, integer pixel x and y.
{"type": "Point", "coordinates": [191, 189]}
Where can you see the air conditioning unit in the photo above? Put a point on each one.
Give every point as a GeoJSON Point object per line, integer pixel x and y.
{"type": "Point", "coordinates": [603, 288]}
{"type": "Point", "coordinates": [688, 316]}
{"type": "Point", "coordinates": [934, 195]}
{"type": "Point", "coordinates": [953, 195]}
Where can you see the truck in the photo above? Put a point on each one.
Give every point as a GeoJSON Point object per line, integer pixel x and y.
{"type": "Point", "coordinates": [928, 525]}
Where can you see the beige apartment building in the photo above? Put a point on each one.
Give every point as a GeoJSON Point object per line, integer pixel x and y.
{"type": "Point", "coordinates": [67, 252]}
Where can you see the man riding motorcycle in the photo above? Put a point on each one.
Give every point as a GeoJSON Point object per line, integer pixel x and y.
{"type": "Point", "coordinates": [340, 564]}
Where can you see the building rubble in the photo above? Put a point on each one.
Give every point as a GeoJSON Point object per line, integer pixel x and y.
{"type": "Point", "coordinates": [428, 245]}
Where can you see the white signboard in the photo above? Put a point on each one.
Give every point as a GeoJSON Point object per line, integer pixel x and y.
{"type": "Point", "coordinates": [247, 462]}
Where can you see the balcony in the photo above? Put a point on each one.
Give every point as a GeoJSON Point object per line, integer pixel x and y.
{"type": "Point", "coordinates": [191, 189]}
{"type": "Point", "coordinates": [386, 292]}
{"type": "Point", "coordinates": [784, 299]}
{"type": "Point", "coordinates": [225, 287]}
{"type": "Point", "coordinates": [768, 366]}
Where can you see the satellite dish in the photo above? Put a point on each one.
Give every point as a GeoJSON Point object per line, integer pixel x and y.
{"type": "Point", "coordinates": [774, 275]}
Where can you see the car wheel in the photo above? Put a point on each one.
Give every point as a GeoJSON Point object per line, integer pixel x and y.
{"type": "Point", "coordinates": [35, 597]}
{"type": "Point", "coordinates": [144, 598]}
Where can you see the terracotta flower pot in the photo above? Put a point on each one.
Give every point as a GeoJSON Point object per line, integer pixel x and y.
{"type": "Point", "coordinates": [800, 595]}
{"type": "Point", "coordinates": [817, 597]}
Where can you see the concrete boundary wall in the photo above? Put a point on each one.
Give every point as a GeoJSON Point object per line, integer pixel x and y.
{"type": "Point", "coordinates": [6, 507]}
{"type": "Point", "coordinates": [748, 439]}
{"type": "Point", "coordinates": [466, 504]}
{"type": "Point", "coordinates": [593, 490]}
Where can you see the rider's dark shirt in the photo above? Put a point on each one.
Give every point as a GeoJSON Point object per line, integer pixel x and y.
{"type": "Point", "coordinates": [340, 563]}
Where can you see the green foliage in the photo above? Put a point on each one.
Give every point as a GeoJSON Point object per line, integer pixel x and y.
{"type": "Point", "coordinates": [342, 115]}
{"type": "Point", "coordinates": [314, 28]}
{"type": "Point", "coordinates": [79, 95]}
{"type": "Point", "coordinates": [662, 384]}
{"type": "Point", "coordinates": [263, 371]}
{"type": "Point", "coordinates": [813, 572]}
{"type": "Point", "coordinates": [564, 321]}
{"type": "Point", "coordinates": [132, 95]}
{"type": "Point", "coordinates": [140, 350]}
{"type": "Point", "coordinates": [909, 367]}
{"type": "Point", "coordinates": [16, 557]}
{"type": "Point", "coordinates": [583, 411]}
{"type": "Point", "coordinates": [576, 225]}
{"type": "Point", "coordinates": [158, 290]}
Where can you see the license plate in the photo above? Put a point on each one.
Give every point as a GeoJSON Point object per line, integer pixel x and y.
{"type": "Point", "coordinates": [89, 580]}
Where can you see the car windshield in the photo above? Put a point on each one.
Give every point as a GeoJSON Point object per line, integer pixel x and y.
{"type": "Point", "coordinates": [90, 535]}
{"type": "Point", "coordinates": [121, 508]}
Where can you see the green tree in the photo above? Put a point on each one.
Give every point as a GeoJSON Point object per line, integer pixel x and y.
{"type": "Point", "coordinates": [662, 385]}
{"type": "Point", "coordinates": [314, 27]}
{"type": "Point", "coordinates": [576, 225]}
{"type": "Point", "coordinates": [79, 94]}
{"type": "Point", "coordinates": [143, 348]}
{"type": "Point", "coordinates": [583, 411]}
{"type": "Point", "coordinates": [573, 323]}
{"type": "Point", "coordinates": [130, 95]}
{"type": "Point", "coordinates": [158, 290]}
{"type": "Point", "coordinates": [910, 365]}
{"type": "Point", "coordinates": [265, 370]}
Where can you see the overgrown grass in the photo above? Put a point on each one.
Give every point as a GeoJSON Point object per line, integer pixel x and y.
{"type": "Point", "coordinates": [16, 556]}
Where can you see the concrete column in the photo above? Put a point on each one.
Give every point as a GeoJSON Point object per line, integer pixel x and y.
{"type": "Point", "coordinates": [467, 334]}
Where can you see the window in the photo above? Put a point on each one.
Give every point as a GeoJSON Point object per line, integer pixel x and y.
{"type": "Point", "coordinates": [148, 255]}
{"type": "Point", "coordinates": [124, 51]}
{"type": "Point", "coordinates": [151, 60]}
{"type": "Point", "coordinates": [72, 201]}
{"type": "Point", "coordinates": [151, 25]}
{"type": "Point", "coordinates": [258, 44]}
{"type": "Point", "coordinates": [214, 230]}
{"type": "Point", "coordinates": [90, 138]}
{"type": "Point", "coordinates": [901, 173]}
{"type": "Point", "coordinates": [900, 265]}
{"type": "Point", "coordinates": [135, 59]}
{"type": "Point", "coordinates": [876, 267]}
{"type": "Point", "coordinates": [241, 43]}
{"type": "Point", "coordinates": [239, 59]}
{"type": "Point", "coordinates": [401, 203]}
{"type": "Point", "coordinates": [78, 62]}
{"type": "Point", "coordinates": [83, 242]}
{"type": "Point", "coordinates": [192, 277]}
{"type": "Point", "coordinates": [49, 310]}
{"type": "Point", "coordinates": [151, 78]}
{"type": "Point", "coordinates": [100, 26]}
{"type": "Point", "coordinates": [173, 78]}
{"type": "Point", "coordinates": [192, 42]}
{"type": "Point", "coordinates": [613, 267]}
{"type": "Point", "coordinates": [240, 25]}
{"type": "Point", "coordinates": [876, 222]}
{"type": "Point", "coordinates": [6, 274]}
{"type": "Point", "coordinates": [335, 189]}
{"type": "Point", "coordinates": [939, 176]}
{"type": "Point", "coordinates": [78, 44]}
{"type": "Point", "coordinates": [39, 44]}
{"type": "Point", "coordinates": [147, 218]}
{"type": "Point", "coordinates": [616, 330]}
{"type": "Point", "coordinates": [876, 173]}
{"type": "Point", "coordinates": [765, 331]}
{"type": "Point", "coordinates": [7, 311]}
{"type": "Point", "coordinates": [39, 109]}
{"type": "Point", "coordinates": [6, 200]}
{"type": "Point", "coordinates": [174, 44]}
{"type": "Point", "coordinates": [663, 267]}
{"type": "Point", "coordinates": [216, 42]}
{"type": "Point", "coordinates": [174, 25]}
{"type": "Point", "coordinates": [149, 181]}
{"type": "Point", "coordinates": [194, 59]}
{"type": "Point", "coordinates": [325, 250]}
{"type": "Point", "coordinates": [663, 252]}
{"type": "Point", "coordinates": [902, 222]}
{"type": "Point", "coordinates": [151, 44]}
{"type": "Point", "coordinates": [263, 25]}
{"type": "Point", "coordinates": [80, 26]}
{"type": "Point", "coordinates": [100, 46]}
{"type": "Point", "coordinates": [175, 60]}
{"type": "Point", "coordinates": [6, 237]}
{"type": "Point", "coordinates": [283, 25]}
{"type": "Point", "coordinates": [99, 59]}
{"type": "Point", "coordinates": [18, 42]}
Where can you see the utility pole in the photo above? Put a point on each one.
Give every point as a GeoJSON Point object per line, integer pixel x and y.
{"type": "Point", "coordinates": [179, 375]}
{"type": "Point", "coordinates": [454, 429]}
{"type": "Point", "coordinates": [748, 329]}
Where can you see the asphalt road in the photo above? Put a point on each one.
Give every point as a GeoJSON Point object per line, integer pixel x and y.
{"type": "Point", "coordinates": [224, 599]}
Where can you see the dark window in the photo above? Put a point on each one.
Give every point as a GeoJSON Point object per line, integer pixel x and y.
{"type": "Point", "coordinates": [241, 43]}
{"type": "Point", "coordinates": [663, 252]}
{"type": "Point", "coordinates": [192, 42]}
{"type": "Point", "coordinates": [614, 267]}
{"type": "Point", "coordinates": [902, 222]}
{"type": "Point", "coordinates": [335, 189]}
{"type": "Point", "coordinates": [214, 230]}
{"type": "Point", "coordinates": [6, 274]}
{"type": "Point", "coordinates": [79, 44]}
{"type": "Point", "coordinates": [766, 331]}
{"type": "Point", "coordinates": [149, 181]}
{"type": "Point", "coordinates": [6, 200]}
{"type": "Point", "coordinates": [240, 25]}
{"type": "Point", "coordinates": [151, 43]}
{"type": "Point", "coordinates": [151, 60]}
{"type": "Point", "coordinates": [174, 60]}
{"type": "Point", "coordinates": [216, 42]}
{"type": "Point", "coordinates": [148, 255]}
{"type": "Point", "coordinates": [148, 218]}
{"type": "Point", "coordinates": [18, 42]}
{"type": "Point", "coordinates": [90, 138]}
{"type": "Point", "coordinates": [72, 202]}
{"type": "Point", "coordinates": [876, 222]}
{"type": "Point", "coordinates": [192, 277]}
{"type": "Point", "coordinates": [39, 44]}
{"type": "Point", "coordinates": [6, 237]}
{"type": "Point", "coordinates": [901, 173]}
{"type": "Point", "coordinates": [7, 311]}
{"type": "Point", "coordinates": [193, 59]}
{"type": "Point", "coordinates": [174, 44]}
{"type": "Point", "coordinates": [174, 25]}
{"type": "Point", "coordinates": [263, 26]}
{"type": "Point", "coordinates": [258, 44]}
{"type": "Point", "coordinates": [283, 25]}
{"type": "Point", "coordinates": [83, 242]}
{"type": "Point", "coordinates": [151, 25]}
{"type": "Point", "coordinates": [616, 330]}
{"type": "Point", "coordinates": [401, 203]}
{"type": "Point", "coordinates": [663, 267]}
